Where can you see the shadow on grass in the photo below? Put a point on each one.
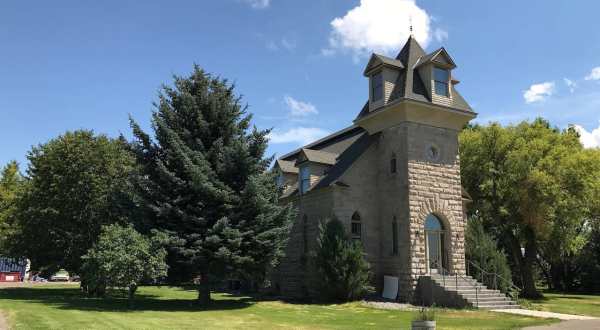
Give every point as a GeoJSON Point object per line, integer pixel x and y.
{"type": "Point", "coordinates": [72, 298]}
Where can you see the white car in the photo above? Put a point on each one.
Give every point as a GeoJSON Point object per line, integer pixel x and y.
{"type": "Point", "coordinates": [60, 276]}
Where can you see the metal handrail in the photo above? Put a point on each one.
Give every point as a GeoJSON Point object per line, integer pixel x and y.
{"type": "Point", "coordinates": [512, 287]}
{"type": "Point", "coordinates": [456, 276]}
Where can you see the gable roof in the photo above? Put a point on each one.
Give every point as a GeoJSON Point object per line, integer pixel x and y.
{"type": "Point", "coordinates": [440, 56]}
{"type": "Point", "coordinates": [286, 166]}
{"type": "Point", "coordinates": [377, 60]}
{"type": "Point", "coordinates": [316, 156]}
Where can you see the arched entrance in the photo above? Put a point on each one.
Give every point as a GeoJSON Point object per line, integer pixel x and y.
{"type": "Point", "coordinates": [434, 242]}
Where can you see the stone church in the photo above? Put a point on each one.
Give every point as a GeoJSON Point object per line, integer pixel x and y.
{"type": "Point", "coordinates": [392, 177]}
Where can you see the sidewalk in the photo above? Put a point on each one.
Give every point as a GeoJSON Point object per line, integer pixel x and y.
{"type": "Point", "coordinates": [575, 322]}
{"type": "Point", "coordinates": [546, 315]}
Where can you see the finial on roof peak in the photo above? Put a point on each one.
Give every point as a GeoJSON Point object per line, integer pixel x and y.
{"type": "Point", "coordinates": [410, 27]}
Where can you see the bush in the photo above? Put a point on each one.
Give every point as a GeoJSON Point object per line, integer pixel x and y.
{"type": "Point", "coordinates": [482, 250]}
{"type": "Point", "coordinates": [122, 259]}
{"type": "Point", "coordinates": [343, 272]}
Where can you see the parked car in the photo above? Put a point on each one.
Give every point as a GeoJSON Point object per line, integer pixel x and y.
{"type": "Point", "coordinates": [60, 276]}
{"type": "Point", "coordinates": [38, 278]}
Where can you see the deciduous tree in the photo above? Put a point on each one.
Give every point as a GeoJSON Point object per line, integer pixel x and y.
{"type": "Point", "coordinates": [123, 258]}
{"type": "Point", "coordinates": [532, 185]}
{"type": "Point", "coordinates": [76, 183]}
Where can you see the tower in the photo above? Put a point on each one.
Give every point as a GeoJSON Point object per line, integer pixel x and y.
{"type": "Point", "coordinates": [417, 113]}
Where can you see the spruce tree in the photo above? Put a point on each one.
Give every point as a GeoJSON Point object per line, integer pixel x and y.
{"type": "Point", "coordinates": [205, 180]}
{"type": "Point", "coordinates": [342, 270]}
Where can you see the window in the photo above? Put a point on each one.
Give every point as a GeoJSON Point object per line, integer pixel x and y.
{"type": "Point", "coordinates": [280, 179]}
{"type": "Point", "coordinates": [304, 179]}
{"type": "Point", "coordinates": [356, 229]}
{"type": "Point", "coordinates": [441, 79]}
{"type": "Point", "coordinates": [394, 237]}
{"type": "Point", "coordinates": [377, 87]}
{"type": "Point", "coordinates": [393, 166]}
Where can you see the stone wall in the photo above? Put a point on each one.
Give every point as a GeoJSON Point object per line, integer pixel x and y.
{"type": "Point", "coordinates": [434, 188]}
{"type": "Point", "coordinates": [293, 277]}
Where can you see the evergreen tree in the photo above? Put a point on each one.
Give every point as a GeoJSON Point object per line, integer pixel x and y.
{"type": "Point", "coordinates": [342, 270]}
{"type": "Point", "coordinates": [205, 181]}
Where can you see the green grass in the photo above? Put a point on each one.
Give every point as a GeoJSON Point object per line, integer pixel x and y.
{"type": "Point", "coordinates": [63, 307]}
{"type": "Point", "coordinates": [577, 304]}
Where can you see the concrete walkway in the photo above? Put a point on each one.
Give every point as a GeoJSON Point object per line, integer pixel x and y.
{"type": "Point", "coordinates": [576, 322]}
{"type": "Point", "coordinates": [3, 323]}
{"type": "Point", "coordinates": [567, 325]}
{"type": "Point", "coordinates": [545, 315]}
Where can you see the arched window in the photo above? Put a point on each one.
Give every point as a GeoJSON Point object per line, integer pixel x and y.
{"type": "Point", "coordinates": [356, 226]}
{"type": "Point", "coordinates": [395, 236]}
{"type": "Point", "coordinates": [433, 223]}
{"type": "Point", "coordinates": [393, 165]}
{"type": "Point", "coordinates": [305, 233]}
{"type": "Point", "coordinates": [434, 235]}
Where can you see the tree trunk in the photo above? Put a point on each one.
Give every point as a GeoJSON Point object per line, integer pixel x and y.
{"type": "Point", "coordinates": [204, 290]}
{"type": "Point", "coordinates": [130, 293]}
{"type": "Point", "coordinates": [529, 289]}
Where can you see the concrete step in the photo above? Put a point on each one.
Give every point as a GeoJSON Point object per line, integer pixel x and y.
{"type": "Point", "coordinates": [473, 292]}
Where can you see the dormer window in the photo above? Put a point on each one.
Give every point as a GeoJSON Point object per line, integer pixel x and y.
{"type": "Point", "coordinates": [441, 79]}
{"type": "Point", "coordinates": [377, 87]}
{"type": "Point", "coordinates": [304, 182]}
{"type": "Point", "coordinates": [280, 179]}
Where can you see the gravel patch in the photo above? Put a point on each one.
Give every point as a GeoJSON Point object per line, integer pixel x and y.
{"type": "Point", "coordinates": [390, 305]}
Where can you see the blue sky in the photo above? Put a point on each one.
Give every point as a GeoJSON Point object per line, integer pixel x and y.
{"type": "Point", "coordinates": [66, 65]}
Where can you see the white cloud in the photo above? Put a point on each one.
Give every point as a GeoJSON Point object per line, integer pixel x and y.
{"type": "Point", "coordinates": [299, 135]}
{"type": "Point", "coordinates": [594, 74]}
{"type": "Point", "coordinates": [539, 92]}
{"type": "Point", "coordinates": [570, 84]}
{"type": "Point", "coordinates": [299, 108]}
{"type": "Point", "coordinates": [380, 26]}
{"type": "Point", "coordinates": [258, 4]}
{"type": "Point", "coordinates": [440, 35]}
{"type": "Point", "coordinates": [588, 139]}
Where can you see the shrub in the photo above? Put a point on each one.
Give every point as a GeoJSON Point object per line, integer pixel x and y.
{"type": "Point", "coordinates": [122, 259]}
{"type": "Point", "coordinates": [483, 250]}
{"type": "Point", "coordinates": [343, 272]}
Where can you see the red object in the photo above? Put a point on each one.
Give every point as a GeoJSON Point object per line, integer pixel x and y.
{"type": "Point", "coordinates": [10, 277]}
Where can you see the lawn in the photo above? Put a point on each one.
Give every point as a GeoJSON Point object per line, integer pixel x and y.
{"type": "Point", "coordinates": [568, 303]}
{"type": "Point", "coordinates": [63, 307]}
